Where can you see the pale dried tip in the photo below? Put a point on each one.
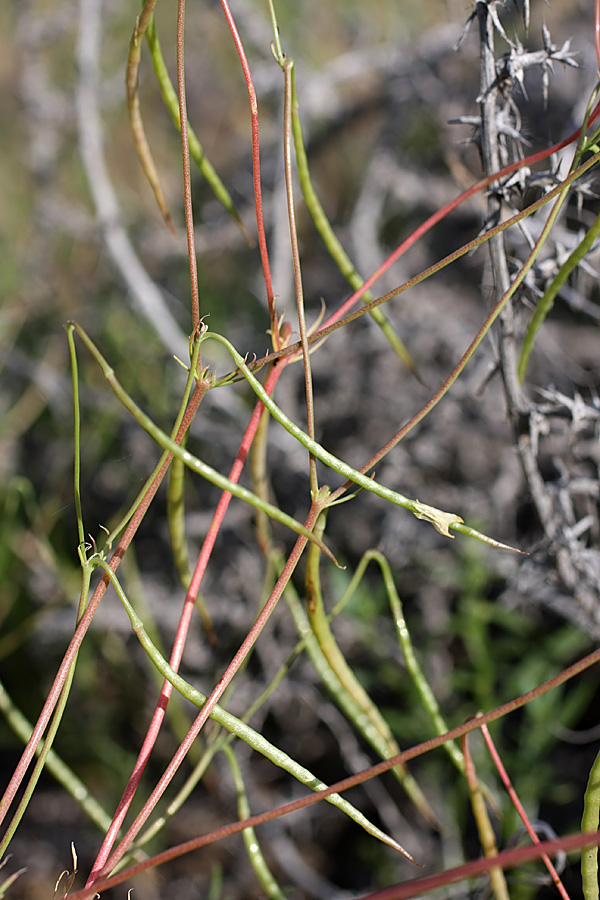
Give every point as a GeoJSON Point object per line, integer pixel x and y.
{"type": "Point", "coordinates": [182, 364]}
{"type": "Point", "coordinates": [70, 877]}
{"type": "Point", "coordinates": [58, 881]}
{"type": "Point", "coordinates": [502, 546]}
{"type": "Point", "coordinates": [315, 326]}
{"type": "Point", "coordinates": [440, 520]}
{"type": "Point", "coordinates": [396, 846]}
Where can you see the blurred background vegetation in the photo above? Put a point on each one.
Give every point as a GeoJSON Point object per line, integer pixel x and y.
{"type": "Point", "coordinates": [378, 83]}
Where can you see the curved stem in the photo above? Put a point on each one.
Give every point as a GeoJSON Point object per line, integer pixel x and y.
{"type": "Point", "coordinates": [366, 715]}
{"type": "Point", "coordinates": [217, 692]}
{"type": "Point", "coordinates": [440, 214]}
{"type": "Point", "coordinates": [401, 892]}
{"type": "Point", "coordinates": [441, 521]}
{"type": "Point", "coordinates": [135, 117]}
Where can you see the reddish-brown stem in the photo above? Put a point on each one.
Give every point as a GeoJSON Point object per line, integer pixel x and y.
{"type": "Point", "coordinates": [413, 888]}
{"type": "Point", "coordinates": [86, 619]}
{"type": "Point", "coordinates": [508, 858]}
{"type": "Point", "coordinates": [521, 810]}
{"type": "Point", "coordinates": [182, 632]}
{"type": "Point", "coordinates": [258, 204]}
{"type": "Point", "coordinates": [433, 401]}
{"type": "Point", "coordinates": [140, 765]}
{"type": "Point", "coordinates": [325, 330]}
{"type": "Point", "coordinates": [187, 175]}
{"type": "Point", "coordinates": [450, 207]}
{"type": "Point", "coordinates": [218, 690]}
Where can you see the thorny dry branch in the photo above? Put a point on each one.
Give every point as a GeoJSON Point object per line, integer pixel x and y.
{"type": "Point", "coordinates": [566, 499]}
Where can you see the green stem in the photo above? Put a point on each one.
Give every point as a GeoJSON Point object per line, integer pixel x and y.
{"type": "Point", "coordinates": [427, 696]}
{"type": "Point", "coordinates": [365, 715]}
{"type": "Point", "coordinates": [176, 519]}
{"type": "Point", "coordinates": [255, 854]}
{"type": "Point", "coordinates": [76, 441]}
{"type": "Point", "coordinates": [234, 725]}
{"type": "Point", "coordinates": [276, 45]}
{"type": "Point", "coordinates": [329, 237]}
{"type": "Point", "coordinates": [440, 520]}
{"type": "Point", "coordinates": [55, 765]}
{"type": "Point", "coordinates": [378, 734]}
{"type": "Point", "coordinates": [192, 462]}
{"type": "Point", "coordinates": [547, 301]}
{"type": "Point", "coordinates": [589, 822]}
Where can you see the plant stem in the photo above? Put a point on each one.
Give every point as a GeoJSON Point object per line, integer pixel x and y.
{"type": "Point", "coordinates": [210, 708]}
{"type": "Point", "coordinates": [589, 822]}
{"type": "Point", "coordinates": [364, 714]}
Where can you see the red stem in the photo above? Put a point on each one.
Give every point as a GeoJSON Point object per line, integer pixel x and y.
{"type": "Point", "coordinates": [511, 857]}
{"type": "Point", "coordinates": [181, 635]}
{"type": "Point", "coordinates": [260, 222]}
{"type": "Point", "coordinates": [217, 692]}
{"type": "Point", "coordinates": [521, 810]}
{"type": "Point", "coordinates": [453, 204]}
{"type": "Point", "coordinates": [86, 620]}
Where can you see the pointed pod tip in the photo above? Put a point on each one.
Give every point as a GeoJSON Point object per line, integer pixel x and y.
{"type": "Point", "coordinates": [396, 846]}
{"type": "Point", "coordinates": [491, 542]}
